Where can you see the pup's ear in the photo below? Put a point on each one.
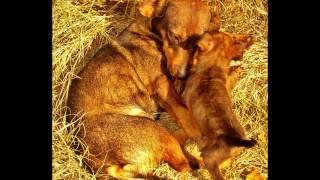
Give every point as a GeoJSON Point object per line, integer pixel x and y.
{"type": "Point", "coordinates": [152, 8]}
{"type": "Point", "coordinates": [240, 43]}
{"type": "Point", "coordinates": [206, 42]}
{"type": "Point", "coordinates": [215, 21]}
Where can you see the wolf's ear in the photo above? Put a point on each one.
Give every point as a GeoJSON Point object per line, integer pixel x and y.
{"type": "Point", "coordinates": [205, 43]}
{"type": "Point", "coordinates": [215, 21]}
{"type": "Point", "coordinates": [240, 43]}
{"type": "Point", "coordinates": [152, 8]}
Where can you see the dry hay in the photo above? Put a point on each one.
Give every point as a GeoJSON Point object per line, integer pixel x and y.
{"type": "Point", "coordinates": [81, 27]}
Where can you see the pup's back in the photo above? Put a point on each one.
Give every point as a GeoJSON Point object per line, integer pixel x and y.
{"type": "Point", "coordinates": [208, 99]}
{"type": "Point", "coordinates": [207, 95]}
{"type": "Point", "coordinates": [206, 92]}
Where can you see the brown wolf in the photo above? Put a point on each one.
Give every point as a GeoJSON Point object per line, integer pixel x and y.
{"type": "Point", "coordinates": [119, 89]}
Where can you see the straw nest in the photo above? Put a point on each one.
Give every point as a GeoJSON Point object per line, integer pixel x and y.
{"type": "Point", "coordinates": [81, 27]}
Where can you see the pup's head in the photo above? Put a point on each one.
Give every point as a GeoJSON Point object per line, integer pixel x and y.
{"type": "Point", "coordinates": [219, 48]}
{"type": "Point", "coordinates": [176, 21]}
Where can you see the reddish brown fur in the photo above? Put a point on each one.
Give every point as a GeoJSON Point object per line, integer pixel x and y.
{"type": "Point", "coordinates": [116, 90]}
{"type": "Point", "coordinates": [120, 140]}
{"type": "Point", "coordinates": [207, 95]}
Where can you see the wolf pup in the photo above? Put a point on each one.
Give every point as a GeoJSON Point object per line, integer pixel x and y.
{"type": "Point", "coordinates": [207, 95]}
